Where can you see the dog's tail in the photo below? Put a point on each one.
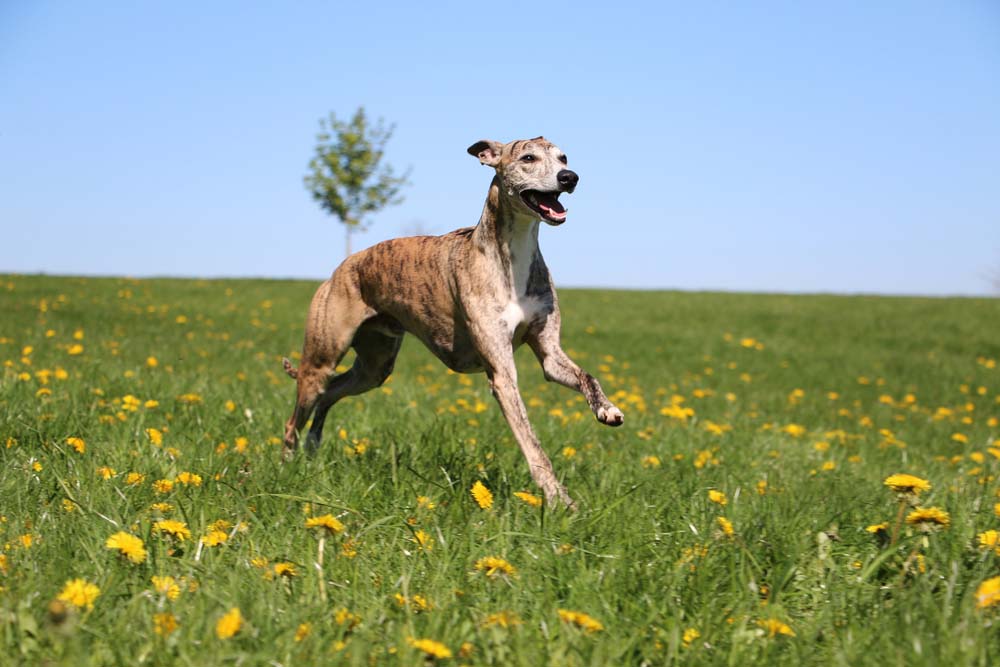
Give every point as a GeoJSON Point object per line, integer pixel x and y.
{"type": "Point", "coordinates": [292, 371]}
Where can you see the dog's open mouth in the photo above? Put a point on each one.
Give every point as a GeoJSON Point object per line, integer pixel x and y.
{"type": "Point", "coordinates": [545, 204]}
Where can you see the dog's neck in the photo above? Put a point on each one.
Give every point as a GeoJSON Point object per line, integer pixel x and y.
{"type": "Point", "coordinates": [509, 236]}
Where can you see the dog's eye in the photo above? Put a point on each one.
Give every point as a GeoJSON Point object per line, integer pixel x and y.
{"type": "Point", "coordinates": [527, 158]}
{"type": "Point", "coordinates": [562, 158]}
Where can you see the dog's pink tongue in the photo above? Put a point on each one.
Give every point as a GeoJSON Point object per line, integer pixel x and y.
{"type": "Point", "coordinates": [557, 212]}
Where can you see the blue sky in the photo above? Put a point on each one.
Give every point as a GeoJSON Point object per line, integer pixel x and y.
{"type": "Point", "coordinates": [771, 146]}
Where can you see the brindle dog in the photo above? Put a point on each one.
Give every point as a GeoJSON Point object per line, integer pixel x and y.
{"type": "Point", "coordinates": [472, 297]}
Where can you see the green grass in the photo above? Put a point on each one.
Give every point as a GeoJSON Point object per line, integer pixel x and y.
{"type": "Point", "coordinates": [644, 555]}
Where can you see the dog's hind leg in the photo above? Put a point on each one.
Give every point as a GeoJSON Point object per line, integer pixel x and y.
{"type": "Point", "coordinates": [334, 317]}
{"type": "Point", "coordinates": [376, 356]}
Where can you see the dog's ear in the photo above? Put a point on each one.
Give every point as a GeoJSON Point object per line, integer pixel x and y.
{"type": "Point", "coordinates": [487, 151]}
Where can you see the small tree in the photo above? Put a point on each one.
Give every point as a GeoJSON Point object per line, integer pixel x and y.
{"type": "Point", "coordinates": [344, 175]}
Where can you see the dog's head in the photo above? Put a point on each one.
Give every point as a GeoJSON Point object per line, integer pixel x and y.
{"type": "Point", "coordinates": [532, 175]}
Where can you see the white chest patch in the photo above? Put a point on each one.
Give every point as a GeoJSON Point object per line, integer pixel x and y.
{"type": "Point", "coordinates": [520, 311]}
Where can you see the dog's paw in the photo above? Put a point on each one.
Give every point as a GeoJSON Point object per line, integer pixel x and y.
{"type": "Point", "coordinates": [611, 416]}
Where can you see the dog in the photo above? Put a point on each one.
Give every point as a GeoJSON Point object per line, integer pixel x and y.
{"type": "Point", "coordinates": [472, 296]}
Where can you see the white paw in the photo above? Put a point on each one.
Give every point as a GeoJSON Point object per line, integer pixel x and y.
{"type": "Point", "coordinates": [611, 416]}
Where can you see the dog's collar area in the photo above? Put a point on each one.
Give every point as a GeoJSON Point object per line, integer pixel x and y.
{"type": "Point", "coordinates": [545, 204]}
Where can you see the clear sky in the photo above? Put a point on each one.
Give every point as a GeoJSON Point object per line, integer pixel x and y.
{"type": "Point", "coordinates": [768, 146]}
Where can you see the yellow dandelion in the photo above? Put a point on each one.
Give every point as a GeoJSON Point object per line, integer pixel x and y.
{"type": "Point", "coordinates": [215, 537]}
{"type": "Point", "coordinates": [482, 495]}
{"type": "Point", "coordinates": [423, 540]}
{"type": "Point", "coordinates": [155, 436]}
{"type": "Point", "coordinates": [134, 479]}
{"type": "Point", "coordinates": [162, 508]}
{"type": "Point", "coordinates": [106, 472]}
{"type": "Point", "coordinates": [303, 631]}
{"type": "Point", "coordinates": [424, 502]}
{"type": "Point", "coordinates": [188, 479]}
{"type": "Point", "coordinates": [774, 628]}
{"type": "Point", "coordinates": [164, 624]}
{"type": "Point", "coordinates": [229, 624]}
{"type": "Point", "coordinates": [690, 634]}
{"type": "Point", "coordinates": [717, 497]}
{"type": "Point", "coordinates": [529, 498]}
{"type": "Point", "coordinates": [651, 462]}
{"type": "Point", "coordinates": [78, 444]}
{"type": "Point", "coordinates": [988, 593]}
{"type": "Point", "coordinates": [908, 484]}
{"type": "Point", "coordinates": [876, 528]}
{"type": "Point", "coordinates": [326, 522]}
{"type": "Point", "coordinates": [177, 529]}
{"type": "Point", "coordinates": [928, 518]}
{"type": "Point", "coordinates": [494, 566]}
{"type": "Point", "coordinates": [430, 648]}
{"type": "Point", "coordinates": [286, 570]}
{"type": "Point", "coordinates": [127, 545]}
{"type": "Point", "coordinates": [152, 362]}
{"type": "Point", "coordinates": [990, 539]}
{"type": "Point", "coordinates": [725, 525]}
{"type": "Point", "coordinates": [163, 486]}
{"type": "Point", "coordinates": [580, 620]}
{"type": "Point", "coordinates": [343, 617]}
{"type": "Point", "coordinates": [502, 619]}
{"type": "Point", "coordinates": [80, 593]}
{"type": "Point", "coordinates": [167, 586]}
{"type": "Point", "coordinates": [74, 349]}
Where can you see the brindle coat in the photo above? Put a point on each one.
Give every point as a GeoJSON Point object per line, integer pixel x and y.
{"type": "Point", "coordinates": [472, 296]}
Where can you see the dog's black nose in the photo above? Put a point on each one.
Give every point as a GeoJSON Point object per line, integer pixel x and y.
{"type": "Point", "coordinates": [567, 179]}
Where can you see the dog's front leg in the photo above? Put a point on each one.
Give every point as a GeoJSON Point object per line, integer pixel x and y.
{"type": "Point", "coordinates": [503, 383]}
{"type": "Point", "coordinates": [558, 367]}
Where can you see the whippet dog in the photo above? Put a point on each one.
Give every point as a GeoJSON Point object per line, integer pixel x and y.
{"type": "Point", "coordinates": [472, 297]}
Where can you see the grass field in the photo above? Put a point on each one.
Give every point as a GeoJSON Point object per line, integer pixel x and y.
{"type": "Point", "coordinates": [731, 520]}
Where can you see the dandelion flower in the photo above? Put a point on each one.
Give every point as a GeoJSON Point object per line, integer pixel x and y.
{"type": "Point", "coordinates": [155, 436]}
{"type": "Point", "coordinates": [343, 617]}
{"type": "Point", "coordinates": [482, 495]}
{"type": "Point", "coordinates": [689, 636]}
{"type": "Point", "coordinates": [163, 486]}
{"type": "Point", "coordinates": [494, 566]}
{"type": "Point", "coordinates": [127, 545]}
{"type": "Point", "coordinates": [877, 528]}
{"type": "Point", "coordinates": [327, 522]}
{"type": "Point", "coordinates": [774, 627]}
{"type": "Point", "coordinates": [164, 624]}
{"type": "Point", "coordinates": [431, 648]}
{"type": "Point", "coordinates": [928, 518]}
{"type": "Point", "coordinates": [79, 593]}
{"type": "Point", "coordinates": [717, 497]}
{"type": "Point", "coordinates": [172, 527]}
{"type": "Point", "coordinates": [303, 631]}
{"type": "Point", "coordinates": [286, 570]}
{"type": "Point", "coordinates": [423, 540]}
{"type": "Point", "coordinates": [229, 624]}
{"type": "Point", "coordinates": [725, 525]}
{"type": "Point", "coordinates": [424, 502]}
{"type": "Point", "coordinates": [529, 498]}
{"type": "Point", "coordinates": [188, 479]}
{"type": "Point", "coordinates": [580, 620]}
{"type": "Point", "coordinates": [902, 483]}
{"type": "Point", "coordinates": [990, 539]}
{"type": "Point", "coordinates": [167, 586]}
{"type": "Point", "coordinates": [214, 538]}
{"type": "Point", "coordinates": [988, 593]}
{"type": "Point", "coordinates": [134, 478]}
{"type": "Point", "coordinates": [78, 444]}
{"type": "Point", "coordinates": [502, 619]}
